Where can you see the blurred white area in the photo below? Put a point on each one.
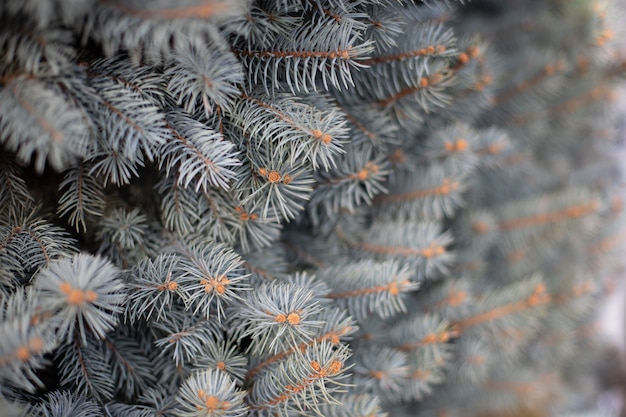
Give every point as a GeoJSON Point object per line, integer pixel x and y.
{"type": "Point", "coordinates": [613, 328]}
{"type": "Point", "coordinates": [612, 315]}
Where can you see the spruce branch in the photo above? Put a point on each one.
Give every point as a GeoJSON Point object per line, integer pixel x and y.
{"type": "Point", "coordinates": [492, 146]}
{"type": "Point", "coordinates": [422, 333]}
{"type": "Point", "coordinates": [85, 292]}
{"type": "Point", "coordinates": [145, 80]}
{"type": "Point", "coordinates": [254, 231]}
{"type": "Point", "coordinates": [281, 177]}
{"type": "Point", "coordinates": [213, 278]}
{"type": "Point", "coordinates": [131, 365]}
{"type": "Point", "coordinates": [337, 326]}
{"type": "Point", "coordinates": [502, 308]}
{"type": "Point", "coordinates": [55, 134]}
{"type": "Point", "coordinates": [154, 288]}
{"type": "Point", "coordinates": [131, 124]}
{"type": "Point", "coordinates": [264, 22]}
{"type": "Point", "coordinates": [223, 356]}
{"type": "Point", "coordinates": [385, 26]}
{"type": "Point", "coordinates": [182, 338]}
{"type": "Point", "coordinates": [358, 178]}
{"type": "Point", "coordinates": [423, 246]}
{"type": "Point", "coordinates": [354, 405]}
{"type": "Point", "coordinates": [83, 368]}
{"type": "Point", "coordinates": [38, 52]}
{"type": "Point", "coordinates": [381, 371]}
{"type": "Point", "coordinates": [62, 403]}
{"type": "Point", "coordinates": [473, 358]}
{"type": "Point", "coordinates": [201, 77]}
{"type": "Point", "coordinates": [197, 154]}
{"type": "Point", "coordinates": [210, 393]}
{"type": "Point", "coordinates": [83, 196]}
{"type": "Point", "coordinates": [411, 98]}
{"type": "Point", "coordinates": [203, 9]}
{"type": "Point", "coordinates": [146, 26]}
{"type": "Point", "coordinates": [320, 51]}
{"type": "Point", "coordinates": [418, 45]}
{"type": "Point", "coordinates": [113, 166]}
{"type": "Point", "coordinates": [14, 195]}
{"type": "Point", "coordinates": [154, 401]}
{"type": "Point", "coordinates": [122, 236]}
{"type": "Point", "coordinates": [427, 370]}
{"type": "Point", "coordinates": [266, 265]}
{"type": "Point", "coordinates": [301, 385]}
{"type": "Point", "coordinates": [30, 243]}
{"type": "Point", "coordinates": [22, 349]}
{"type": "Point", "coordinates": [43, 14]}
{"type": "Point", "coordinates": [299, 131]}
{"type": "Point", "coordinates": [278, 315]}
{"type": "Point", "coordinates": [310, 282]}
{"type": "Point", "coordinates": [366, 122]}
{"type": "Point", "coordinates": [424, 193]}
{"type": "Point", "coordinates": [452, 147]}
{"type": "Point", "coordinates": [180, 207]}
{"type": "Point", "coordinates": [564, 209]}
{"type": "Point", "coordinates": [274, 187]}
{"type": "Point", "coordinates": [368, 287]}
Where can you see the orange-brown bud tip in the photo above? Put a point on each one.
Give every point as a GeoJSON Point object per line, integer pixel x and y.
{"type": "Point", "coordinates": [293, 319]}
{"type": "Point", "coordinates": [273, 177]}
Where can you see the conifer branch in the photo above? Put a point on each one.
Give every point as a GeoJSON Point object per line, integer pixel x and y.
{"type": "Point", "coordinates": [333, 336]}
{"type": "Point", "coordinates": [56, 133]}
{"type": "Point", "coordinates": [313, 382]}
{"type": "Point", "coordinates": [368, 287]}
{"type": "Point", "coordinates": [548, 70]}
{"type": "Point", "coordinates": [213, 276]}
{"type": "Point", "coordinates": [307, 55]}
{"type": "Point", "coordinates": [538, 298]}
{"type": "Point", "coordinates": [83, 196]}
{"type": "Point", "coordinates": [211, 392]}
{"type": "Point", "coordinates": [198, 154]}
{"type": "Point", "coordinates": [571, 212]}
{"type": "Point", "coordinates": [283, 315]}
{"type": "Point", "coordinates": [281, 179]}
{"type": "Point", "coordinates": [205, 10]}
{"type": "Point", "coordinates": [183, 336]}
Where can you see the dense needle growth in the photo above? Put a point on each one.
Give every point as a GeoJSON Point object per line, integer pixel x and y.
{"type": "Point", "coordinates": [305, 207]}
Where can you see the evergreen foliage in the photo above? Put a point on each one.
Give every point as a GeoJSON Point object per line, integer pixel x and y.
{"type": "Point", "coordinates": [305, 207]}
